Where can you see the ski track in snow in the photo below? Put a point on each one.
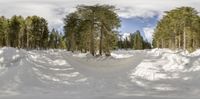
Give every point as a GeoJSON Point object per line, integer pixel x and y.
{"type": "Point", "coordinates": [58, 74]}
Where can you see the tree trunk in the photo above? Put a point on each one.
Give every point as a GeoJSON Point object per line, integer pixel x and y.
{"type": "Point", "coordinates": [19, 40]}
{"type": "Point", "coordinates": [179, 41]}
{"type": "Point", "coordinates": [92, 40]}
{"type": "Point", "coordinates": [101, 41]}
{"type": "Point", "coordinates": [193, 42]}
{"type": "Point", "coordinates": [27, 41]}
{"type": "Point", "coordinates": [184, 39]}
{"type": "Point", "coordinates": [174, 39]}
{"type": "Point", "coordinates": [157, 44]}
{"type": "Point", "coordinates": [7, 40]}
{"type": "Point", "coordinates": [162, 42]}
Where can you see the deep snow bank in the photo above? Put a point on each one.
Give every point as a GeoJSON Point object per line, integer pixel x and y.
{"type": "Point", "coordinates": [166, 64]}
{"type": "Point", "coordinates": [173, 68]}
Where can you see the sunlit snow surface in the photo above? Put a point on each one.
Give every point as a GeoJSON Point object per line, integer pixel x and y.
{"type": "Point", "coordinates": [126, 74]}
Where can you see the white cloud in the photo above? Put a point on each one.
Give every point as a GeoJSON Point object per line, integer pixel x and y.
{"type": "Point", "coordinates": [149, 8]}
{"type": "Point", "coordinates": [128, 12]}
{"type": "Point", "coordinates": [148, 33]}
{"type": "Point", "coordinates": [55, 10]}
{"type": "Point", "coordinates": [125, 35]}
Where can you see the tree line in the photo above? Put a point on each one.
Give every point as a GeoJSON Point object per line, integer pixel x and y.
{"type": "Point", "coordinates": [178, 29]}
{"type": "Point", "coordinates": [133, 41]}
{"type": "Point", "coordinates": [29, 33]}
{"type": "Point", "coordinates": [94, 29]}
{"type": "Point", "coordinates": [88, 29]}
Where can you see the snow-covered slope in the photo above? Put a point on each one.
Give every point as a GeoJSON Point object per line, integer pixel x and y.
{"type": "Point", "coordinates": [169, 71]}
{"type": "Point", "coordinates": [58, 74]}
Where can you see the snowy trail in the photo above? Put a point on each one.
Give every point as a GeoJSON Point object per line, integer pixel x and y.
{"type": "Point", "coordinates": [110, 79]}
{"type": "Point", "coordinates": [42, 72]}
{"type": "Point", "coordinates": [58, 74]}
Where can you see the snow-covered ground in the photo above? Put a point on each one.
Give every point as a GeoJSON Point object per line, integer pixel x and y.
{"type": "Point", "coordinates": [58, 74]}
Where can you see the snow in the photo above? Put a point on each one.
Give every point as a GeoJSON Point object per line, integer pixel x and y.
{"type": "Point", "coordinates": [126, 74]}
{"type": "Point", "coordinates": [121, 55]}
{"type": "Point", "coordinates": [59, 62]}
{"type": "Point", "coordinates": [1, 51]}
{"type": "Point", "coordinates": [1, 59]}
{"type": "Point", "coordinates": [80, 55]}
{"type": "Point", "coordinates": [166, 65]}
{"type": "Point", "coordinates": [196, 53]}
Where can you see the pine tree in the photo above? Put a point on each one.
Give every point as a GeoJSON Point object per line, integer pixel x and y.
{"type": "Point", "coordinates": [138, 41]}
{"type": "Point", "coordinates": [178, 29]}
{"type": "Point", "coordinates": [31, 32]}
{"type": "Point", "coordinates": [3, 31]}
{"type": "Point", "coordinates": [91, 28]}
{"type": "Point", "coordinates": [15, 33]}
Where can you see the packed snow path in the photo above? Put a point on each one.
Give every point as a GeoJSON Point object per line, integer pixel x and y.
{"type": "Point", "coordinates": [58, 74]}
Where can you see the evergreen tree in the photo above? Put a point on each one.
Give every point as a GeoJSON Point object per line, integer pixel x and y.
{"type": "Point", "coordinates": [3, 31]}
{"type": "Point", "coordinates": [179, 28]}
{"type": "Point", "coordinates": [133, 41]}
{"type": "Point", "coordinates": [56, 40]}
{"type": "Point", "coordinates": [138, 41]}
{"type": "Point", "coordinates": [92, 25]}
{"type": "Point", "coordinates": [15, 31]}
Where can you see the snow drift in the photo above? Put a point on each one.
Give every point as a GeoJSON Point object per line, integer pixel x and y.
{"type": "Point", "coordinates": [171, 71]}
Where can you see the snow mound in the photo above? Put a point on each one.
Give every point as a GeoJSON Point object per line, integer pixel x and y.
{"type": "Point", "coordinates": [158, 52]}
{"type": "Point", "coordinates": [175, 62]}
{"type": "Point", "coordinates": [80, 55]}
{"type": "Point", "coordinates": [117, 56]}
{"type": "Point", "coordinates": [166, 64]}
{"type": "Point", "coordinates": [59, 62]}
{"type": "Point", "coordinates": [9, 56]}
{"type": "Point", "coordinates": [153, 71]}
{"type": "Point", "coordinates": [195, 53]}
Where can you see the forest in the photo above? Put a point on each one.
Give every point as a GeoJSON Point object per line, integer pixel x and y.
{"type": "Point", "coordinates": [28, 33]}
{"type": "Point", "coordinates": [178, 29]}
{"type": "Point", "coordinates": [94, 29]}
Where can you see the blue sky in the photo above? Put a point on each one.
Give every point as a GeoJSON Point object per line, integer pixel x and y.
{"type": "Point", "coordinates": [135, 14]}
{"type": "Point", "coordinates": [130, 25]}
{"type": "Point", "coordinates": [137, 23]}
